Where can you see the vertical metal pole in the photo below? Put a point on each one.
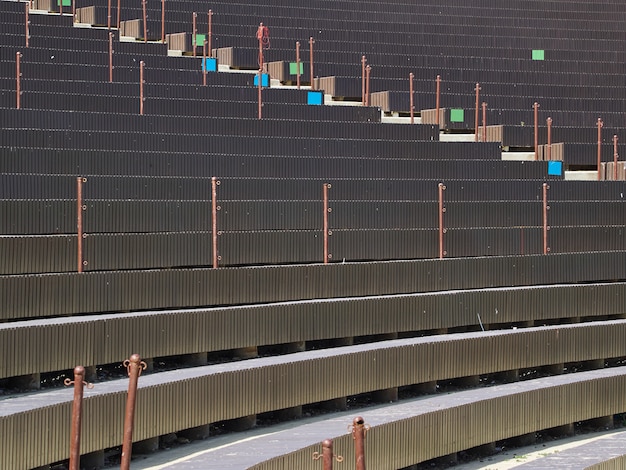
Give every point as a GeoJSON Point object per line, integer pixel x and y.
{"type": "Point", "coordinates": [134, 365]}
{"type": "Point", "coordinates": [260, 87]}
{"type": "Point", "coordinates": [61, 7]}
{"type": "Point", "coordinates": [368, 70]}
{"type": "Point", "coordinates": [549, 146]}
{"type": "Point", "coordinates": [119, 15]}
{"type": "Point", "coordinates": [204, 47]}
{"type": "Point", "coordinates": [73, 11]}
{"type": "Point", "coordinates": [476, 114]}
{"type": "Point", "coordinates": [484, 122]}
{"type": "Point", "coordinates": [110, 57]}
{"type": "Point", "coordinates": [442, 209]}
{"type": "Point", "coordinates": [411, 105]}
{"type": "Point", "coordinates": [141, 99]}
{"type": "Point", "coordinates": [363, 60]}
{"type": "Point", "coordinates": [358, 434]}
{"type": "Point", "coordinates": [162, 21]}
{"type": "Point", "coordinates": [210, 32]}
{"type": "Point", "coordinates": [600, 124]}
{"type": "Point", "coordinates": [214, 184]}
{"type": "Point", "coordinates": [193, 35]}
{"type": "Point", "coordinates": [18, 79]}
{"type": "Point", "coordinates": [260, 37]}
{"type": "Point", "coordinates": [298, 64]}
{"type": "Point", "coordinates": [109, 15]}
{"type": "Point", "coordinates": [79, 383]}
{"type": "Point", "coordinates": [325, 218]}
{"type": "Point", "coordinates": [615, 158]}
{"type": "Point", "coordinates": [546, 249]}
{"type": "Point", "coordinates": [536, 112]}
{"type": "Point", "coordinates": [437, 99]}
{"type": "Point", "coordinates": [311, 42]}
{"type": "Point", "coordinates": [27, 10]}
{"type": "Point", "coordinates": [145, 21]}
{"type": "Point", "coordinates": [79, 222]}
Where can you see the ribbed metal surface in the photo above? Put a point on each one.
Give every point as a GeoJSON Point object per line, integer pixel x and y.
{"type": "Point", "coordinates": [277, 383]}
{"type": "Point", "coordinates": [64, 294]}
{"type": "Point", "coordinates": [98, 341]}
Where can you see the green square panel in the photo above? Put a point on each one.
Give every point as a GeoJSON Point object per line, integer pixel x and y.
{"type": "Point", "coordinates": [457, 115]}
{"type": "Point", "coordinates": [200, 39]}
{"type": "Point", "coordinates": [66, 3]}
{"type": "Point", "coordinates": [538, 54]}
{"type": "Point", "coordinates": [293, 68]}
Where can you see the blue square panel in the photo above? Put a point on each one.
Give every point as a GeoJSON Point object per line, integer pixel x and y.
{"type": "Point", "coordinates": [209, 64]}
{"type": "Point", "coordinates": [555, 168]}
{"type": "Point", "coordinates": [265, 80]}
{"type": "Point", "coordinates": [315, 98]}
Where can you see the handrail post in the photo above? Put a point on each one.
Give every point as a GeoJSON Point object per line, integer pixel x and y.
{"type": "Point", "coordinates": [194, 33]}
{"type": "Point", "coordinates": [327, 455]}
{"type": "Point", "coordinates": [615, 156]}
{"type": "Point", "coordinates": [311, 42]}
{"type": "Point", "coordinates": [600, 125]}
{"type": "Point", "coordinates": [298, 64]}
{"type": "Point", "coordinates": [145, 21]}
{"type": "Point", "coordinates": [77, 406]}
{"type": "Point", "coordinates": [359, 428]}
{"type": "Point", "coordinates": [363, 61]}
{"type": "Point", "coordinates": [80, 208]}
{"type": "Point", "coordinates": [210, 32]}
{"type": "Point", "coordinates": [162, 21]}
{"type": "Point", "coordinates": [549, 145]}
{"type": "Point", "coordinates": [214, 208]}
{"type": "Point", "coordinates": [110, 57]}
{"type": "Point", "coordinates": [134, 365]}
{"type": "Point", "coordinates": [437, 99]}
{"type": "Point", "coordinates": [484, 122]}
{"type": "Point", "coordinates": [260, 88]}
{"type": "Point", "coordinates": [204, 64]}
{"type": "Point", "coordinates": [141, 82]}
{"type": "Point", "coordinates": [368, 70]}
{"type": "Point", "coordinates": [442, 210]}
{"type": "Point", "coordinates": [536, 113]}
{"type": "Point", "coordinates": [546, 208]}
{"type": "Point", "coordinates": [327, 232]}
{"type": "Point", "coordinates": [27, 22]}
{"type": "Point", "coordinates": [18, 79]}
{"type": "Point", "coordinates": [477, 89]}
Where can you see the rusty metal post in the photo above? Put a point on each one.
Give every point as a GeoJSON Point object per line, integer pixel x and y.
{"type": "Point", "coordinates": [484, 122]}
{"type": "Point", "coordinates": [477, 89]}
{"type": "Point", "coordinates": [214, 208]}
{"type": "Point", "coordinates": [327, 232]}
{"type": "Point", "coordinates": [109, 15]}
{"type": "Point", "coordinates": [437, 99]}
{"type": "Point", "coordinates": [162, 21]}
{"type": "Point", "coordinates": [73, 11]}
{"type": "Point", "coordinates": [311, 42]}
{"type": "Point", "coordinates": [536, 113]}
{"type": "Point", "coordinates": [145, 21]}
{"type": "Point", "coordinates": [327, 455]}
{"type": "Point", "coordinates": [549, 145]}
{"type": "Point", "coordinates": [193, 34]}
{"type": "Point", "coordinates": [359, 428]}
{"type": "Point", "coordinates": [119, 15]}
{"type": "Point", "coordinates": [18, 79]}
{"type": "Point", "coordinates": [368, 70]}
{"type": "Point", "coordinates": [110, 57]}
{"type": "Point", "coordinates": [298, 64]}
{"type": "Point", "coordinates": [79, 383]}
{"type": "Point", "coordinates": [80, 207]}
{"type": "Point", "coordinates": [442, 210]}
{"type": "Point", "coordinates": [61, 7]}
{"type": "Point", "coordinates": [27, 21]}
{"type": "Point", "coordinates": [134, 365]}
{"type": "Point", "coordinates": [363, 61]}
{"type": "Point", "coordinates": [259, 36]}
{"type": "Point", "coordinates": [210, 32]}
{"type": "Point", "coordinates": [615, 156]}
{"type": "Point", "coordinates": [411, 105]}
{"type": "Point", "coordinates": [600, 124]}
{"type": "Point", "coordinates": [546, 208]}
{"type": "Point", "coordinates": [260, 87]}
{"type": "Point", "coordinates": [141, 81]}
{"type": "Point", "coordinates": [204, 46]}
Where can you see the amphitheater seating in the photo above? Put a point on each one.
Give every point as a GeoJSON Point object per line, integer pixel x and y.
{"type": "Point", "coordinates": [532, 277]}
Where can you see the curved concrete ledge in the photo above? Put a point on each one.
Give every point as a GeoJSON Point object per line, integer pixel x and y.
{"type": "Point", "coordinates": [184, 399]}
{"type": "Point", "coordinates": [109, 338]}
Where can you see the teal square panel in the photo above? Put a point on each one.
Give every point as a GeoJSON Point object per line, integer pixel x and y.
{"type": "Point", "coordinates": [315, 98]}
{"type": "Point", "coordinates": [66, 3]}
{"type": "Point", "coordinates": [293, 68]}
{"type": "Point", "coordinates": [265, 80]}
{"type": "Point", "coordinates": [555, 168]}
{"type": "Point", "coordinates": [209, 64]}
{"type": "Point", "coordinates": [539, 54]}
{"type": "Point", "coordinates": [457, 115]}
